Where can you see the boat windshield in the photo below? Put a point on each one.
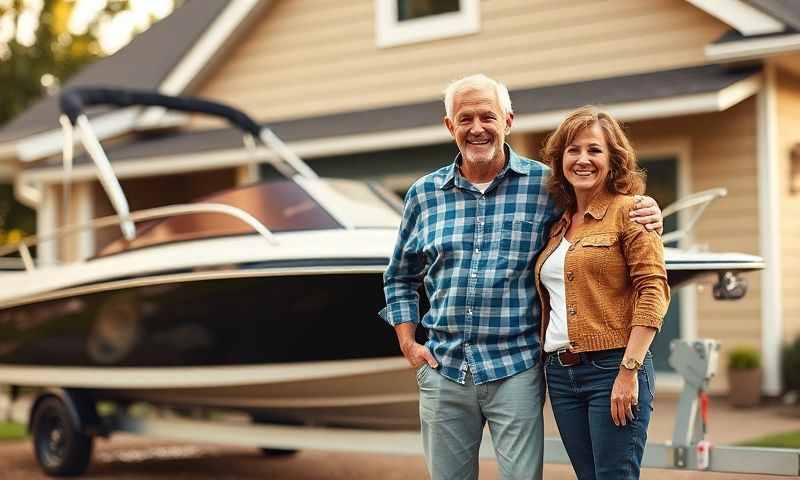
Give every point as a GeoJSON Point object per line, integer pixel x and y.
{"type": "Point", "coordinates": [356, 204]}
{"type": "Point", "coordinates": [281, 205]}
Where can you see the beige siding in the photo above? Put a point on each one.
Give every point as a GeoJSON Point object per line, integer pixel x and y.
{"type": "Point", "coordinates": [310, 57]}
{"type": "Point", "coordinates": [722, 153]}
{"type": "Point", "coordinates": [788, 101]}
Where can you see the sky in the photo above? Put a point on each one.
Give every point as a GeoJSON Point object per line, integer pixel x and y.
{"type": "Point", "coordinates": [114, 32]}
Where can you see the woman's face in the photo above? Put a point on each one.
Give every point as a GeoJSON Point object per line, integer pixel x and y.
{"type": "Point", "coordinates": [586, 161]}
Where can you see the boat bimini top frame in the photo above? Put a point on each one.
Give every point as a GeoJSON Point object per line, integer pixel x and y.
{"type": "Point", "coordinates": [74, 101]}
{"type": "Point", "coordinates": [74, 120]}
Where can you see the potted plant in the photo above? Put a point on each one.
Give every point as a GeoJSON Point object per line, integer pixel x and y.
{"type": "Point", "coordinates": [791, 371]}
{"type": "Point", "coordinates": [744, 376]}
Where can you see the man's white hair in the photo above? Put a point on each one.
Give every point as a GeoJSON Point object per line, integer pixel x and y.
{"type": "Point", "coordinates": [475, 82]}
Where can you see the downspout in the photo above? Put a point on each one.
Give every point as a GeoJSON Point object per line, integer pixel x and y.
{"type": "Point", "coordinates": [769, 196]}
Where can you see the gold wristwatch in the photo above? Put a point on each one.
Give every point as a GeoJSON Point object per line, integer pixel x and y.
{"type": "Point", "coordinates": [631, 363]}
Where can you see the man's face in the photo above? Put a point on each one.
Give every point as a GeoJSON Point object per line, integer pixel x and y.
{"type": "Point", "coordinates": [479, 126]}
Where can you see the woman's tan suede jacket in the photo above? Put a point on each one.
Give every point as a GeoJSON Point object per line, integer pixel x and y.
{"type": "Point", "coordinates": [614, 276]}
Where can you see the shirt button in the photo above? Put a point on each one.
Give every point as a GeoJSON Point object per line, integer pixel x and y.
{"type": "Point", "coordinates": [570, 276]}
{"type": "Point", "coordinates": [473, 275]}
{"type": "Point", "coordinates": [469, 311]}
{"type": "Point", "coordinates": [477, 250]}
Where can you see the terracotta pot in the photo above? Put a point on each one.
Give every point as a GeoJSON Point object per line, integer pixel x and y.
{"type": "Point", "coordinates": [744, 387]}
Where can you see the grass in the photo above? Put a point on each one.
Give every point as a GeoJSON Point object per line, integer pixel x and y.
{"type": "Point", "coordinates": [777, 440]}
{"type": "Point", "coordinates": [12, 431]}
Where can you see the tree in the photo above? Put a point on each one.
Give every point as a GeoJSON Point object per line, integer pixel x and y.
{"type": "Point", "coordinates": [31, 62]}
{"type": "Point", "coordinates": [39, 51]}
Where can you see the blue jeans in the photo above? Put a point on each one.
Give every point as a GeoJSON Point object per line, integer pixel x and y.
{"type": "Point", "coordinates": [453, 417]}
{"type": "Point", "coordinates": [581, 400]}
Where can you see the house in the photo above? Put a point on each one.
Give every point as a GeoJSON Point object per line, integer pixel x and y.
{"type": "Point", "coordinates": [709, 91]}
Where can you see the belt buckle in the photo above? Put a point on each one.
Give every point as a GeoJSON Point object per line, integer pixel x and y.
{"type": "Point", "coordinates": [574, 360]}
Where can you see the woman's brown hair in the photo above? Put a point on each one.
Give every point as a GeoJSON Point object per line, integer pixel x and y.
{"type": "Point", "coordinates": [624, 174]}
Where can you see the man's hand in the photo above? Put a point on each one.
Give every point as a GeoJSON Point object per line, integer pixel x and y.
{"type": "Point", "coordinates": [417, 354]}
{"type": "Point", "coordinates": [647, 212]}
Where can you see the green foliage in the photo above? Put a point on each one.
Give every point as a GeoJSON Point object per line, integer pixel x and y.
{"type": "Point", "coordinates": [28, 71]}
{"type": "Point", "coordinates": [12, 431]}
{"type": "Point", "coordinates": [55, 53]}
{"type": "Point", "coordinates": [791, 365]}
{"type": "Point", "coordinates": [744, 358]}
{"type": "Point", "coordinates": [778, 440]}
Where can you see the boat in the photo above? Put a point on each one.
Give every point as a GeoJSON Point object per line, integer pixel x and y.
{"type": "Point", "coordinates": [261, 299]}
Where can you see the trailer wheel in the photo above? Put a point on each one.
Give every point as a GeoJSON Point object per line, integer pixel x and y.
{"type": "Point", "coordinates": [277, 452]}
{"type": "Point", "coordinates": [271, 452]}
{"type": "Point", "coordinates": [60, 448]}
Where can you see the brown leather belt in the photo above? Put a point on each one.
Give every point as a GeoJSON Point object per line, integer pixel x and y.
{"type": "Point", "coordinates": [567, 358]}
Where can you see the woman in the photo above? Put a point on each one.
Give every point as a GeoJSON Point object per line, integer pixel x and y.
{"type": "Point", "coordinates": [603, 286]}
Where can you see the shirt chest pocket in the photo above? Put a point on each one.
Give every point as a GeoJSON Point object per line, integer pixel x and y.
{"type": "Point", "coordinates": [517, 238]}
{"type": "Point", "coordinates": [598, 251]}
{"type": "Point", "coordinates": [601, 240]}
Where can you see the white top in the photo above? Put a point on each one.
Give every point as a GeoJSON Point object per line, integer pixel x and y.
{"type": "Point", "coordinates": [483, 186]}
{"type": "Point", "coordinates": [552, 277]}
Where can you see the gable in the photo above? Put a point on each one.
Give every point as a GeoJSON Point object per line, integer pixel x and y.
{"type": "Point", "coordinates": [320, 56]}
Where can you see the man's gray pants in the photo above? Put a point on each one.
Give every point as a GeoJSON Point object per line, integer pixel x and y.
{"type": "Point", "coordinates": [453, 417]}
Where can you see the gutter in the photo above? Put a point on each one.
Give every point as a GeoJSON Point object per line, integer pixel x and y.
{"type": "Point", "coordinates": [755, 48]}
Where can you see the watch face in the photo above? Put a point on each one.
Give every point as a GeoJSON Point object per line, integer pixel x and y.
{"type": "Point", "coordinates": [631, 364]}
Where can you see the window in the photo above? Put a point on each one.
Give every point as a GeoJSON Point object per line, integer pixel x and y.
{"type": "Point", "coordinates": [400, 22]}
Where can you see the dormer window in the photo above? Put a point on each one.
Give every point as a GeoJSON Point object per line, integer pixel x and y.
{"type": "Point", "coordinates": [400, 22]}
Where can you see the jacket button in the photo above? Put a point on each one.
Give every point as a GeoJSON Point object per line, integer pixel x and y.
{"type": "Point", "coordinates": [570, 276]}
{"type": "Point", "coordinates": [572, 310]}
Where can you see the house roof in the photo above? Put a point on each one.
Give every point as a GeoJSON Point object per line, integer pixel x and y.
{"type": "Point", "coordinates": [786, 11]}
{"type": "Point", "coordinates": [541, 102]}
{"type": "Point", "coordinates": [144, 63]}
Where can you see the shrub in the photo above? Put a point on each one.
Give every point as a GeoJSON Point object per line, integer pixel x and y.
{"type": "Point", "coordinates": [743, 358]}
{"type": "Point", "coordinates": [791, 365]}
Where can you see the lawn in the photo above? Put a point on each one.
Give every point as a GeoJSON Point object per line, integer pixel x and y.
{"type": "Point", "coordinates": [778, 440]}
{"type": "Point", "coordinates": [12, 431]}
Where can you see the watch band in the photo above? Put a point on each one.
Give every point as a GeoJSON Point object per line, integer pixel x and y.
{"type": "Point", "coordinates": [631, 363]}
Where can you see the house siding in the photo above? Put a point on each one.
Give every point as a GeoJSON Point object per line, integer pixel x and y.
{"type": "Point", "coordinates": [723, 153]}
{"type": "Point", "coordinates": [788, 106]}
{"type": "Point", "coordinates": [314, 57]}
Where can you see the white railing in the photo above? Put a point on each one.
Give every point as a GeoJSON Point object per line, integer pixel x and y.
{"type": "Point", "coordinates": [23, 246]}
{"type": "Point", "coordinates": [699, 201]}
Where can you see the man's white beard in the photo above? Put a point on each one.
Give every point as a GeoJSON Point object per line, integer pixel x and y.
{"type": "Point", "coordinates": [482, 159]}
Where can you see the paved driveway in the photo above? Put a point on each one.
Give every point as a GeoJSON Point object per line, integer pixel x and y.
{"type": "Point", "coordinates": [126, 457]}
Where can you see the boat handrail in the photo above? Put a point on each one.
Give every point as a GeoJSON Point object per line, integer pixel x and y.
{"type": "Point", "coordinates": [23, 246]}
{"type": "Point", "coordinates": [699, 200]}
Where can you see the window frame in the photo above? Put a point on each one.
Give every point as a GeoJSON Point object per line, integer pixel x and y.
{"type": "Point", "coordinates": [390, 32]}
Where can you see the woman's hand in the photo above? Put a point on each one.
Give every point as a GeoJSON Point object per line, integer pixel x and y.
{"type": "Point", "coordinates": [624, 396]}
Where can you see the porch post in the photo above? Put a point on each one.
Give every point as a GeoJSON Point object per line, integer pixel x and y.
{"type": "Point", "coordinates": [46, 223]}
{"type": "Point", "coordinates": [769, 192]}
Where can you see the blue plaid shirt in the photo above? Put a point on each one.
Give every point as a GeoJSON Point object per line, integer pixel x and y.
{"type": "Point", "coordinates": [474, 253]}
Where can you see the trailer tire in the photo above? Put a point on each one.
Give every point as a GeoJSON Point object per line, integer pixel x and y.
{"type": "Point", "coordinates": [271, 452]}
{"type": "Point", "coordinates": [60, 448]}
{"type": "Point", "coordinates": [277, 452]}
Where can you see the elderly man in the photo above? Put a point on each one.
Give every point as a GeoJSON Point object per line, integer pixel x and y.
{"type": "Point", "coordinates": [470, 231]}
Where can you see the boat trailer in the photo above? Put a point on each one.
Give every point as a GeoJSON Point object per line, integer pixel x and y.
{"type": "Point", "coordinates": [73, 427]}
